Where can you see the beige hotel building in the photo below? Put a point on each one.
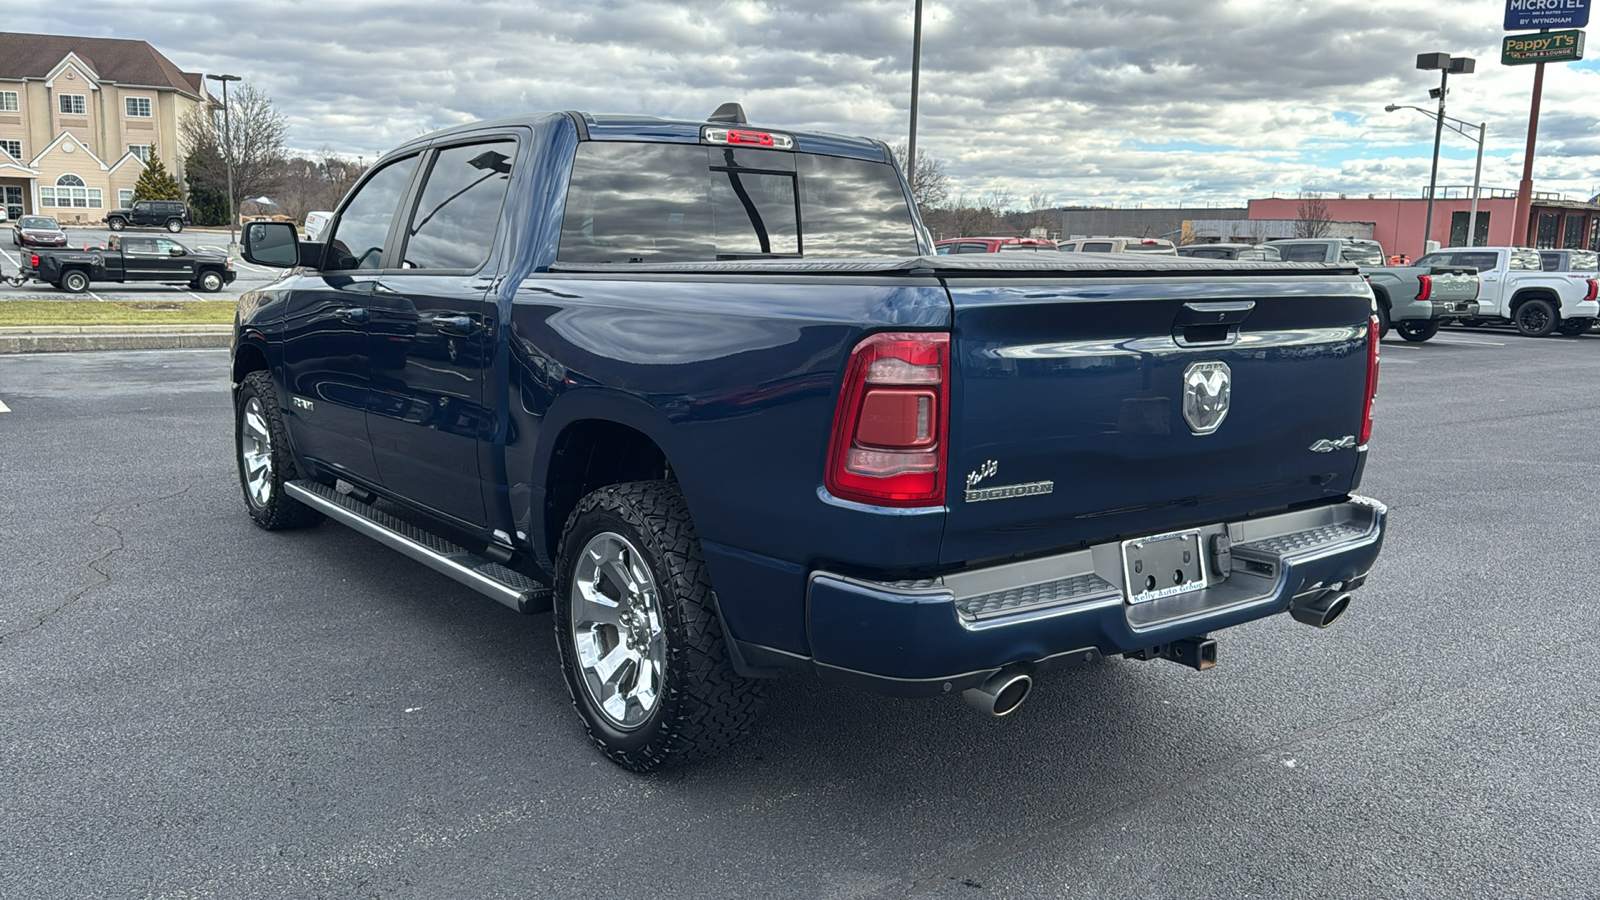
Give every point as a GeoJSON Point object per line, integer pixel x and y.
{"type": "Point", "coordinates": [78, 118]}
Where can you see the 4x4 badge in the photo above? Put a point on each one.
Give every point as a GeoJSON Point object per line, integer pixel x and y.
{"type": "Point", "coordinates": [1347, 442]}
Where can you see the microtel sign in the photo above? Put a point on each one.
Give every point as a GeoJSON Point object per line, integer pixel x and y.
{"type": "Point", "coordinates": [1525, 15]}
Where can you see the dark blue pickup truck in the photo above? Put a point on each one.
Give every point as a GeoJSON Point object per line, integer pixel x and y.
{"type": "Point", "coordinates": [708, 388]}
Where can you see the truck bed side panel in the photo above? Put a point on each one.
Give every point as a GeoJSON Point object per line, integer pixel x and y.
{"type": "Point", "coordinates": [736, 380]}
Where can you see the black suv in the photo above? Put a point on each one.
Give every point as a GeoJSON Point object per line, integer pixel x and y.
{"type": "Point", "coordinates": [169, 214]}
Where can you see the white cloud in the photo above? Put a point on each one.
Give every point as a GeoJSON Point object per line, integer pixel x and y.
{"type": "Point", "coordinates": [1138, 101]}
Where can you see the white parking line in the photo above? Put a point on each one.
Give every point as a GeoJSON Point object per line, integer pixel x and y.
{"type": "Point", "coordinates": [14, 260]}
{"type": "Point", "coordinates": [1460, 341]}
{"type": "Point", "coordinates": [3, 407]}
{"type": "Point", "coordinates": [96, 296]}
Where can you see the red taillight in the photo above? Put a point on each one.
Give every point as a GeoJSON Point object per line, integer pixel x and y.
{"type": "Point", "coordinates": [1426, 290]}
{"type": "Point", "coordinates": [1594, 290]}
{"type": "Point", "coordinates": [33, 260]}
{"type": "Point", "coordinates": [1372, 380]}
{"type": "Point", "coordinates": [889, 431]}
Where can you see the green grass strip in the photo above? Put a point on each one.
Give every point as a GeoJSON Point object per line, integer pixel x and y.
{"type": "Point", "coordinates": [116, 312]}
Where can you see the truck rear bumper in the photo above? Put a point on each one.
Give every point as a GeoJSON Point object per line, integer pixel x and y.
{"type": "Point", "coordinates": [951, 633]}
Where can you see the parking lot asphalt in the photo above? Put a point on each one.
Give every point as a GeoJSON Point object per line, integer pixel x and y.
{"type": "Point", "coordinates": [250, 276]}
{"type": "Point", "coordinates": [192, 707]}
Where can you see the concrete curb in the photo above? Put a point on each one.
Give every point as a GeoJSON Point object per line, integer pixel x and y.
{"type": "Point", "coordinates": [74, 338]}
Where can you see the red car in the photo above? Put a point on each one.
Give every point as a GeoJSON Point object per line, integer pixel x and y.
{"type": "Point", "coordinates": [37, 231]}
{"type": "Point", "coordinates": [992, 245]}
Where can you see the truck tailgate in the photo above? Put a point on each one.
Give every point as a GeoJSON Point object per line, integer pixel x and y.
{"type": "Point", "coordinates": [1451, 284]}
{"type": "Point", "coordinates": [1068, 417]}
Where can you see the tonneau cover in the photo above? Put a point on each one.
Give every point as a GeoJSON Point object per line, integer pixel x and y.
{"type": "Point", "coordinates": [980, 265]}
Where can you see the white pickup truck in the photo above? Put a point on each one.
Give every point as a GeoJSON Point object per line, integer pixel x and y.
{"type": "Point", "coordinates": [1514, 287]}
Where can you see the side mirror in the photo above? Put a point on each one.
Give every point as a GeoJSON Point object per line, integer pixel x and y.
{"type": "Point", "coordinates": [271, 244]}
{"type": "Point", "coordinates": [175, 251]}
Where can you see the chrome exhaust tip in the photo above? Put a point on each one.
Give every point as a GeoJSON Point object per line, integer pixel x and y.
{"type": "Point", "coordinates": [1321, 611]}
{"type": "Point", "coordinates": [1003, 692]}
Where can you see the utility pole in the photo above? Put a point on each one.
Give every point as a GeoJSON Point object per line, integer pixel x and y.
{"type": "Point", "coordinates": [1445, 63]}
{"type": "Point", "coordinates": [227, 139]}
{"type": "Point", "coordinates": [916, 75]}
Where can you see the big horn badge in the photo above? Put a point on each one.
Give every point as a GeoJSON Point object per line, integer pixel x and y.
{"type": "Point", "coordinates": [1207, 387]}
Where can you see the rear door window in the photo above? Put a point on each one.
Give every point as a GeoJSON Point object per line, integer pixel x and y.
{"type": "Point", "coordinates": [454, 223]}
{"type": "Point", "coordinates": [637, 202]}
{"type": "Point", "coordinates": [362, 232]}
{"type": "Point", "coordinates": [1479, 261]}
{"type": "Point", "coordinates": [1097, 247]}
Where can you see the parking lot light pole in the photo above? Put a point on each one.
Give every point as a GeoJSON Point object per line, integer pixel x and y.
{"type": "Point", "coordinates": [1445, 63]}
{"type": "Point", "coordinates": [227, 139]}
{"type": "Point", "coordinates": [1459, 127]}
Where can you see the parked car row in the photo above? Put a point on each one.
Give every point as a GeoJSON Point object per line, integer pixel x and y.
{"type": "Point", "coordinates": [1539, 292]}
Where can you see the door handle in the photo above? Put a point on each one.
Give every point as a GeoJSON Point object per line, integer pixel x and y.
{"type": "Point", "coordinates": [355, 315]}
{"type": "Point", "coordinates": [461, 325]}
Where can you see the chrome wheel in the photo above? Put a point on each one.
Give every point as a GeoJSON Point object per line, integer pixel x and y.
{"type": "Point", "coordinates": [615, 611]}
{"type": "Point", "coordinates": [210, 282]}
{"type": "Point", "coordinates": [255, 452]}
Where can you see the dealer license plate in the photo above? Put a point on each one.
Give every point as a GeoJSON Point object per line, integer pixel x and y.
{"type": "Point", "coordinates": [1163, 565]}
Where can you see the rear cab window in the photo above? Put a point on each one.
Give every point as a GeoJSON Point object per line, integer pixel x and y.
{"type": "Point", "coordinates": [1304, 253]}
{"type": "Point", "coordinates": [643, 202]}
{"type": "Point", "coordinates": [1523, 259]}
{"type": "Point", "coordinates": [1362, 254]}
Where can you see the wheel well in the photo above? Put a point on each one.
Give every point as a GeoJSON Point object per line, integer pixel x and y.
{"type": "Point", "coordinates": [1535, 294]}
{"type": "Point", "coordinates": [1382, 295]}
{"type": "Point", "coordinates": [590, 455]}
{"type": "Point", "coordinates": [248, 358]}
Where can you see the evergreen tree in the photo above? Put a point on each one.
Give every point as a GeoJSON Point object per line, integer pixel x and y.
{"type": "Point", "coordinates": [156, 183]}
{"type": "Point", "coordinates": [208, 190]}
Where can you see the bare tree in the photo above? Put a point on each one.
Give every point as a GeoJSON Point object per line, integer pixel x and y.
{"type": "Point", "coordinates": [930, 184]}
{"type": "Point", "coordinates": [997, 201]}
{"type": "Point", "coordinates": [1312, 217]}
{"type": "Point", "coordinates": [319, 183]}
{"type": "Point", "coordinates": [257, 141]}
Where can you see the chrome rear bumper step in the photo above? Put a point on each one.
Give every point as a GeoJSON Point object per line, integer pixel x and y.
{"type": "Point", "coordinates": [509, 587]}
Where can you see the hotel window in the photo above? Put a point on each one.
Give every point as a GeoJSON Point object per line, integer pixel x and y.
{"type": "Point", "coordinates": [8, 101]}
{"type": "Point", "coordinates": [69, 192]}
{"type": "Point", "coordinates": [140, 150]}
{"type": "Point", "coordinates": [73, 105]}
{"type": "Point", "coordinates": [138, 107]}
{"type": "Point", "coordinates": [14, 148]}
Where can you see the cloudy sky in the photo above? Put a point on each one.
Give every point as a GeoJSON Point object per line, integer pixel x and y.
{"type": "Point", "coordinates": [1153, 102]}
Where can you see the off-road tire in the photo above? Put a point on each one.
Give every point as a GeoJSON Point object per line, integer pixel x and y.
{"type": "Point", "coordinates": [1535, 318]}
{"type": "Point", "coordinates": [74, 281]}
{"type": "Point", "coordinates": [209, 281]}
{"type": "Point", "coordinates": [1418, 330]}
{"type": "Point", "coordinates": [702, 704]}
{"type": "Point", "coordinates": [1383, 321]}
{"type": "Point", "coordinates": [276, 511]}
{"type": "Point", "coordinates": [117, 223]}
{"type": "Point", "coordinates": [174, 225]}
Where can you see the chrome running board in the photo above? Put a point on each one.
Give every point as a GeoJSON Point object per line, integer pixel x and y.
{"type": "Point", "coordinates": [489, 578]}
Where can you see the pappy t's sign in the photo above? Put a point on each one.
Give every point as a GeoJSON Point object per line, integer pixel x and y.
{"type": "Point", "coordinates": [1524, 15]}
{"type": "Point", "coordinates": [1553, 46]}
